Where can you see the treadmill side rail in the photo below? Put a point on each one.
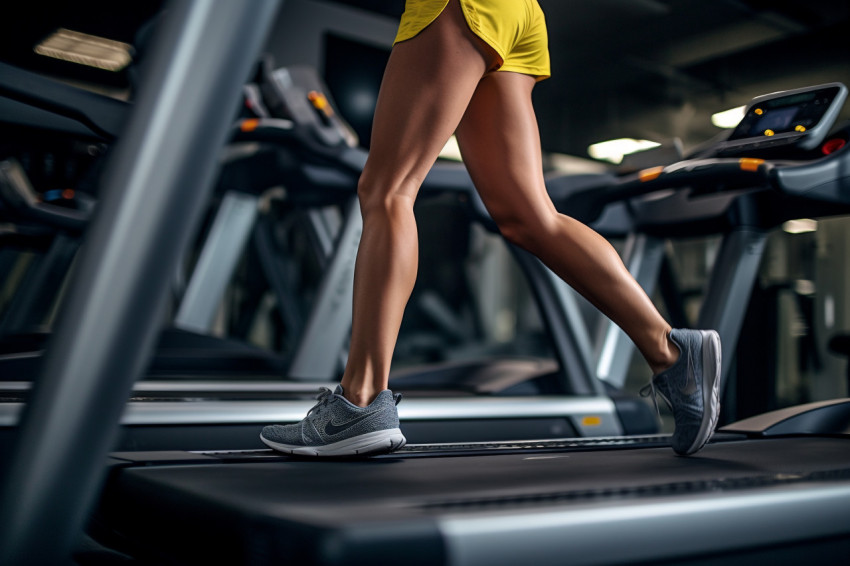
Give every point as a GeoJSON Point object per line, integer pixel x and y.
{"type": "Point", "coordinates": [823, 417]}
{"type": "Point", "coordinates": [650, 531]}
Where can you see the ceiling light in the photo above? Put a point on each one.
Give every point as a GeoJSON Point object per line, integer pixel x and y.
{"type": "Point", "coordinates": [728, 118]}
{"type": "Point", "coordinates": [800, 226]}
{"type": "Point", "coordinates": [85, 49]}
{"type": "Point", "coordinates": [571, 164]}
{"type": "Point", "coordinates": [614, 150]}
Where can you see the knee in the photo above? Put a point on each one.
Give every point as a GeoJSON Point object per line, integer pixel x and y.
{"type": "Point", "coordinates": [381, 197]}
{"type": "Point", "coordinates": [524, 230]}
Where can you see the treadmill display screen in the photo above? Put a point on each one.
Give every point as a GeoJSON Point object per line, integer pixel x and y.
{"type": "Point", "coordinates": [793, 113]}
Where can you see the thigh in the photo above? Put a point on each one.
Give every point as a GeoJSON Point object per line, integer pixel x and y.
{"type": "Point", "coordinates": [500, 144]}
{"type": "Point", "coordinates": [427, 85]}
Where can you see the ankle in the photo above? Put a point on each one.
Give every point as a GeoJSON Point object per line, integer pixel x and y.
{"type": "Point", "coordinates": [360, 396]}
{"type": "Point", "coordinates": [665, 356]}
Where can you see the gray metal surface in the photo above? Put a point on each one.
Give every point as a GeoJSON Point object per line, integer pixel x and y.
{"type": "Point", "coordinates": [329, 323]}
{"type": "Point", "coordinates": [729, 290]}
{"type": "Point", "coordinates": [646, 532]}
{"type": "Point", "coordinates": [643, 257]}
{"type": "Point", "coordinates": [223, 248]}
{"type": "Point", "coordinates": [567, 300]}
{"type": "Point", "coordinates": [154, 186]}
{"type": "Point", "coordinates": [591, 416]}
{"type": "Point", "coordinates": [568, 331]}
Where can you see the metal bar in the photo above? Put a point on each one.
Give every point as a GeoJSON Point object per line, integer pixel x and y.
{"type": "Point", "coordinates": [219, 258]}
{"type": "Point", "coordinates": [643, 256]}
{"type": "Point", "coordinates": [154, 186]}
{"type": "Point", "coordinates": [729, 290]}
{"type": "Point", "coordinates": [566, 327]}
{"type": "Point", "coordinates": [169, 413]}
{"type": "Point", "coordinates": [38, 292]}
{"type": "Point", "coordinates": [329, 324]}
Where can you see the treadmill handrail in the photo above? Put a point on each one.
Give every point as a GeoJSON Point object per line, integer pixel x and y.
{"type": "Point", "coordinates": [589, 203]}
{"type": "Point", "coordinates": [102, 114]}
{"type": "Point", "coordinates": [827, 178]}
{"type": "Point", "coordinates": [17, 194]}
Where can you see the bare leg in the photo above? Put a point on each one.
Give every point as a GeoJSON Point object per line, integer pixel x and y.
{"type": "Point", "coordinates": [427, 85]}
{"type": "Point", "coordinates": [500, 121]}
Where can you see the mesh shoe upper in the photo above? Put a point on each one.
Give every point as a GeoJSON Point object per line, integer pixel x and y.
{"type": "Point", "coordinates": [691, 388]}
{"type": "Point", "coordinates": [334, 419]}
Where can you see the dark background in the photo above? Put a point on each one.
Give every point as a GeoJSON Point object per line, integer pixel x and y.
{"type": "Point", "coordinates": [653, 69]}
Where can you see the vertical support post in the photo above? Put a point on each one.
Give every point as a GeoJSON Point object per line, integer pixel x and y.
{"type": "Point", "coordinates": [566, 327]}
{"type": "Point", "coordinates": [154, 186]}
{"type": "Point", "coordinates": [329, 323]}
{"type": "Point", "coordinates": [217, 263]}
{"type": "Point", "coordinates": [643, 257]}
{"type": "Point", "coordinates": [729, 290]}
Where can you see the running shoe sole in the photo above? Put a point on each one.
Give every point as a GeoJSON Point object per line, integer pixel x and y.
{"type": "Point", "coordinates": [368, 444]}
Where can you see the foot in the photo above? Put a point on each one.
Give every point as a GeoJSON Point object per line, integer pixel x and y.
{"type": "Point", "coordinates": [691, 388]}
{"type": "Point", "coordinates": [337, 427]}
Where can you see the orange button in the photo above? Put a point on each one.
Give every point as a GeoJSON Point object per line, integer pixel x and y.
{"type": "Point", "coordinates": [249, 125]}
{"type": "Point", "coordinates": [650, 174]}
{"type": "Point", "coordinates": [750, 164]}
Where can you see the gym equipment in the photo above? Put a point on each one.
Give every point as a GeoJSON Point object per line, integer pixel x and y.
{"type": "Point", "coordinates": [157, 179]}
{"type": "Point", "coordinates": [288, 137]}
{"type": "Point", "coordinates": [431, 504]}
{"type": "Point", "coordinates": [507, 502]}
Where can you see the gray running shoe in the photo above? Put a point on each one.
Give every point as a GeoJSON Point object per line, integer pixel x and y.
{"type": "Point", "coordinates": [337, 427]}
{"type": "Point", "coordinates": [691, 388]}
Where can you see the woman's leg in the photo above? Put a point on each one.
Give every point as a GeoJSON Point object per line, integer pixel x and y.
{"type": "Point", "coordinates": [427, 85]}
{"type": "Point", "coordinates": [500, 121]}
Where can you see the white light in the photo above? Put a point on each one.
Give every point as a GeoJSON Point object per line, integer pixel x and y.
{"type": "Point", "coordinates": [829, 311]}
{"type": "Point", "coordinates": [85, 49]}
{"type": "Point", "coordinates": [571, 164]}
{"type": "Point", "coordinates": [800, 226]}
{"type": "Point", "coordinates": [451, 150]}
{"type": "Point", "coordinates": [614, 150]}
{"type": "Point", "coordinates": [805, 287]}
{"type": "Point", "coordinates": [728, 118]}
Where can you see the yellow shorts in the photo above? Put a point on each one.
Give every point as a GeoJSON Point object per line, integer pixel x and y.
{"type": "Point", "coordinates": [515, 29]}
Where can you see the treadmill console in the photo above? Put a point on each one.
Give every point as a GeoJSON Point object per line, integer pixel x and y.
{"type": "Point", "coordinates": [799, 118]}
{"type": "Point", "coordinates": [298, 93]}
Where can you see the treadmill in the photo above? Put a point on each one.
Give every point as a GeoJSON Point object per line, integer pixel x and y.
{"type": "Point", "coordinates": [772, 488]}
{"type": "Point", "coordinates": [718, 198]}
{"type": "Point", "coordinates": [775, 488]}
{"type": "Point", "coordinates": [232, 389]}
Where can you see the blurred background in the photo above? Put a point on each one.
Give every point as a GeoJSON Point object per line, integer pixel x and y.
{"type": "Point", "coordinates": [644, 69]}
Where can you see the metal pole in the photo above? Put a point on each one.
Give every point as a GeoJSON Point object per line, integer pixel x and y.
{"type": "Point", "coordinates": [154, 188]}
{"type": "Point", "coordinates": [735, 272]}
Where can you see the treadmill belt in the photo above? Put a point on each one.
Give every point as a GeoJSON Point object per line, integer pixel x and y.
{"type": "Point", "coordinates": [306, 508]}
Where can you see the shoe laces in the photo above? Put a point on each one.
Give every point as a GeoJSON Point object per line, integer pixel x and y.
{"type": "Point", "coordinates": [324, 397]}
{"type": "Point", "coordinates": [650, 389]}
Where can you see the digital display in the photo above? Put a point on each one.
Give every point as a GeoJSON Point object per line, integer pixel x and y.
{"type": "Point", "coordinates": [795, 113]}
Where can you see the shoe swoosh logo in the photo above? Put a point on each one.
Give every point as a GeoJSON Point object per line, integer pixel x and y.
{"type": "Point", "coordinates": [691, 384]}
{"type": "Point", "coordinates": [331, 428]}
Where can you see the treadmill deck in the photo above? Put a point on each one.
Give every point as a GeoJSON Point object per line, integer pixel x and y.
{"type": "Point", "coordinates": [436, 507]}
